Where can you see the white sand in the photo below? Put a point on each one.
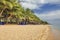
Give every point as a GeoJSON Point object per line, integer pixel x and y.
{"type": "Point", "coordinates": [25, 32]}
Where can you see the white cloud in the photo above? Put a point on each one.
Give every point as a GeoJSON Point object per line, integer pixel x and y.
{"type": "Point", "coordinates": [32, 4]}
{"type": "Point", "coordinates": [53, 1]}
{"type": "Point", "coordinates": [52, 15]}
{"type": "Point", "coordinates": [29, 5]}
{"type": "Point", "coordinates": [34, 1]}
{"type": "Point", "coordinates": [42, 1]}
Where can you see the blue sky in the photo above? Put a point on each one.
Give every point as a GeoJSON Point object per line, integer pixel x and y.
{"type": "Point", "coordinates": [48, 10]}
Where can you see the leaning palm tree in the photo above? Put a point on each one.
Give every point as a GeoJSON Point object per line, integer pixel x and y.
{"type": "Point", "coordinates": [7, 6]}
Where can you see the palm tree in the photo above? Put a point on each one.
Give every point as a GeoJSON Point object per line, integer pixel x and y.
{"type": "Point", "coordinates": [7, 5]}
{"type": "Point", "coordinates": [12, 11]}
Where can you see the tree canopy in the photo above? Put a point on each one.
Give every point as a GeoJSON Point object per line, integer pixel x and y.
{"type": "Point", "coordinates": [12, 11]}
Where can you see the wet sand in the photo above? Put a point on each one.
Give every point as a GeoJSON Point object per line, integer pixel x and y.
{"type": "Point", "coordinates": [26, 32]}
{"type": "Point", "coordinates": [56, 33]}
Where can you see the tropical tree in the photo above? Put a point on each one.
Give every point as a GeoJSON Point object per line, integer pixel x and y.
{"type": "Point", "coordinates": [6, 7]}
{"type": "Point", "coordinates": [12, 11]}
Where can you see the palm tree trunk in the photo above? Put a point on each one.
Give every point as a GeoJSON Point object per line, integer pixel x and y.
{"type": "Point", "coordinates": [8, 18]}
{"type": "Point", "coordinates": [2, 11]}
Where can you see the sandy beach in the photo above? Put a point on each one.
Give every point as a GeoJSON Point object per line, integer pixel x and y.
{"type": "Point", "coordinates": [26, 32]}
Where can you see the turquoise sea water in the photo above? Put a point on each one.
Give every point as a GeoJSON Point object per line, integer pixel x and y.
{"type": "Point", "coordinates": [56, 27]}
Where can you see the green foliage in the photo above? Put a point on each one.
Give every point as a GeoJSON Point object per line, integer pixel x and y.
{"type": "Point", "coordinates": [12, 11]}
